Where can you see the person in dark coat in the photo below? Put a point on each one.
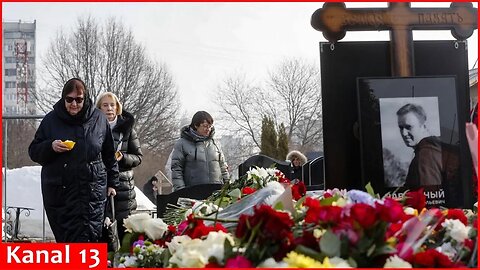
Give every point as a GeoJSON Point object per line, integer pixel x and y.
{"type": "Point", "coordinates": [426, 166]}
{"type": "Point", "coordinates": [150, 189]}
{"type": "Point", "coordinates": [197, 158]}
{"type": "Point", "coordinates": [75, 181]}
{"type": "Point", "coordinates": [129, 154]}
{"type": "Point", "coordinates": [297, 160]}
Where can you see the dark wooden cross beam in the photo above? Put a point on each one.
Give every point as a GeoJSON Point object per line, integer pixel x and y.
{"type": "Point", "coordinates": [334, 19]}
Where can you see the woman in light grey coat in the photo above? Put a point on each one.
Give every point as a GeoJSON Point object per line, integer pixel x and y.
{"type": "Point", "coordinates": [197, 158]}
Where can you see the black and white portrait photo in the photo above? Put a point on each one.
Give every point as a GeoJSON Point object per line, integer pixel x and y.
{"type": "Point", "coordinates": [410, 126]}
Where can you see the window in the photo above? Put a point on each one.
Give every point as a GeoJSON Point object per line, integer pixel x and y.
{"type": "Point", "coordinates": [10, 72]}
{"type": "Point", "coordinates": [10, 85]}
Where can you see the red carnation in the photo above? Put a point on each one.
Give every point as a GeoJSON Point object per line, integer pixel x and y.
{"type": "Point", "coordinates": [432, 258]}
{"type": "Point", "coordinates": [416, 199]}
{"type": "Point", "coordinates": [456, 214]}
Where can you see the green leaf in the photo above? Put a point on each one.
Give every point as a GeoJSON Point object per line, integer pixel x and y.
{"type": "Point", "coordinates": [352, 262]}
{"type": "Point", "coordinates": [330, 244]}
{"type": "Point", "coordinates": [370, 190]}
{"type": "Point", "coordinates": [328, 201]}
{"type": "Point", "coordinates": [310, 253]}
{"type": "Point", "coordinates": [236, 193]}
{"type": "Point", "coordinates": [228, 249]}
{"type": "Point", "coordinates": [382, 250]}
{"type": "Point", "coordinates": [278, 206]}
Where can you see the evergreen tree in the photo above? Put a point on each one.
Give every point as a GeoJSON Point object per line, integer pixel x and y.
{"type": "Point", "coordinates": [282, 148]}
{"type": "Point", "coordinates": [268, 145]}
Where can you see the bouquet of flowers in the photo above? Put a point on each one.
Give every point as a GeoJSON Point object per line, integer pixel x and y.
{"type": "Point", "coordinates": [278, 225]}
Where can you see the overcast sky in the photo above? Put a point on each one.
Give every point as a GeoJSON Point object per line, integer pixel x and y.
{"type": "Point", "coordinates": [202, 43]}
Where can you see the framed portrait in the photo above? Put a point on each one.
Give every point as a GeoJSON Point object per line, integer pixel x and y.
{"type": "Point", "coordinates": [410, 138]}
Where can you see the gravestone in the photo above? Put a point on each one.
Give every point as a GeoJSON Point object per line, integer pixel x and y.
{"type": "Point", "coordinates": [312, 171]}
{"type": "Point", "coordinates": [313, 174]}
{"type": "Point", "coordinates": [197, 192]}
{"type": "Point", "coordinates": [263, 161]}
{"type": "Point", "coordinates": [342, 63]}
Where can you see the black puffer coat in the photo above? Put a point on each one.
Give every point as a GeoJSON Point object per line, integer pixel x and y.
{"type": "Point", "coordinates": [74, 183]}
{"type": "Point", "coordinates": [132, 157]}
{"type": "Point", "coordinates": [197, 160]}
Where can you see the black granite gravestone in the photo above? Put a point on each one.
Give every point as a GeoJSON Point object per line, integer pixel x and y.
{"type": "Point", "coordinates": [262, 161]}
{"type": "Point", "coordinates": [313, 174]}
{"type": "Point", "coordinates": [197, 192]}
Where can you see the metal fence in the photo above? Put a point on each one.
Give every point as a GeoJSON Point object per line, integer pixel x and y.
{"type": "Point", "coordinates": [14, 212]}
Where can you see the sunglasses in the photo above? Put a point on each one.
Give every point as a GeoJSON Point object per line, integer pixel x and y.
{"type": "Point", "coordinates": [71, 99]}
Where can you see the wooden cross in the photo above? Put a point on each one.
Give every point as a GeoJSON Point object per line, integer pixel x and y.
{"type": "Point", "coordinates": [334, 19]}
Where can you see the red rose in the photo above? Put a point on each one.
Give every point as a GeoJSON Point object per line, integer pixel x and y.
{"type": "Point", "coordinates": [416, 199]}
{"type": "Point", "coordinates": [311, 202]}
{"type": "Point", "coordinates": [390, 210]}
{"type": "Point", "coordinates": [364, 214]}
{"type": "Point", "coordinates": [324, 214]}
{"type": "Point", "coordinates": [248, 190]}
{"type": "Point", "coordinates": [298, 190]}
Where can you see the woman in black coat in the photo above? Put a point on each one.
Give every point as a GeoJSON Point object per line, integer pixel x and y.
{"type": "Point", "coordinates": [129, 154]}
{"type": "Point", "coordinates": [75, 181]}
{"type": "Point", "coordinates": [297, 160]}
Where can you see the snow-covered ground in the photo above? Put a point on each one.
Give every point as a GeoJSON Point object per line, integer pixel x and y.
{"type": "Point", "coordinates": [23, 189]}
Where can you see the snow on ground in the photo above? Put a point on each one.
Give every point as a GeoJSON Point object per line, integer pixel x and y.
{"type": "Point", "coordinates": [23, 189]}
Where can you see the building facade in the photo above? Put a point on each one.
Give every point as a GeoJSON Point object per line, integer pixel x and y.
{"type": "Point", "coordinates": [18, 62]}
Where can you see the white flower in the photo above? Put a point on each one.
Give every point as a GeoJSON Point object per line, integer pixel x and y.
{"type": "Point", "coordinates": [214, 244]}
{"type": "Point", "coordinates": [135, 222]}
{"type": "Point", "coordinates": [457, 230]}
{"type": "Point", "coordinates": [190, 254]}
{"type": "Point", "coordinates": [176, 242]}
{"type": "Point", "coordinates": [262, 172]}
{"type": "Point", "coordinates": [396, 262]}
{"type": "Point", "coordinates": [338, 262]}
{"type": "Point", "coordinates": [447, 249]}
{"type": "Point", "coordinates": [189, 258]}
{"type": "Point", "coordinates": [155, 228]}
{"type": "Point", "coordinates": [130, 261]}
{"type": "Point", "coordinates": [358, 196]}
{"type": "Point", "coordinates": [271, 263]}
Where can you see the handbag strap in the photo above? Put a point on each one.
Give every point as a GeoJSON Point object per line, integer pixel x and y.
{"type": "Point", "coordinates": [112, 204]}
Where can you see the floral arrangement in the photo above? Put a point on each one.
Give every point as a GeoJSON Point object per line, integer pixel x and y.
{"type": "Point", "coordinates": [285, 227]}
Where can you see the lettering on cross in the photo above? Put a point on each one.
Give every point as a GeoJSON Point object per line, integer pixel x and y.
{"type": "Point", "coordinates": [334, 19]}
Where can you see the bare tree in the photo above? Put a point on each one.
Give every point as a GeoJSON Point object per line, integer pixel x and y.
{"type": "Point", "coordinates": [297, 88]}
{"type": "Point", "coordinates": [237, 99]}
{"type": "Point", "coordinates": [292, 95]}
{"type": "Point", "coordinates": [108, 58]}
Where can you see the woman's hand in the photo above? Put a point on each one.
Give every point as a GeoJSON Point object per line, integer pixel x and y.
{"type": "Point", "coordinates": [59, 147]}
{"type": "Point", "coordinates": [111, 191]}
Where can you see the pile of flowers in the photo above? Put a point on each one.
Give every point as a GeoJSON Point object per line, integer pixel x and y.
{"type": "Point", "coordinates": [285, 227]}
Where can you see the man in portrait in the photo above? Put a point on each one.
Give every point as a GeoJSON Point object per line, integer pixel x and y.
{"type": "Point", "coordinates": [426, 167]}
